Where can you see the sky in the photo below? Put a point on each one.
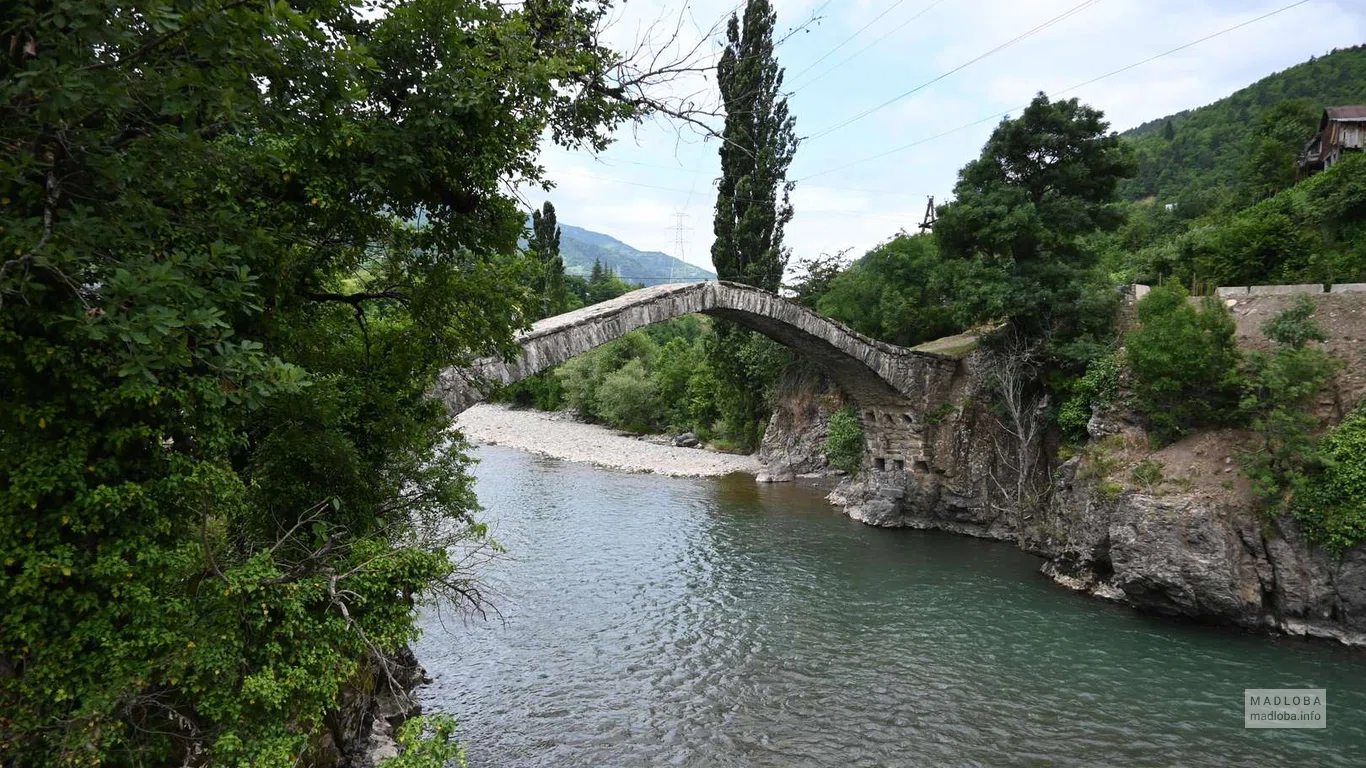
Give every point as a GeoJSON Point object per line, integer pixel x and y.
{"type": "Point", "coordinates": [858, 182]}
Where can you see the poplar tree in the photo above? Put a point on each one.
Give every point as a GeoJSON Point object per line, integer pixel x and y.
{"type": "Point", "coordinates": [545, 244]}
{"type": "Point", "coordinates": [758, 143]}
{"type": "Point", "coordinates": [752, 209]}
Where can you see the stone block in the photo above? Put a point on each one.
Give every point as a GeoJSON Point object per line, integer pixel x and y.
{"type": "Point", "coordinates": [1281, 290]}
{"type": "Point", "coordinates": [1349, 288]}
{"type": "Point", "coordinates": [1231, 291]}
{"type": "Point", "coordinates": [1141, 290]}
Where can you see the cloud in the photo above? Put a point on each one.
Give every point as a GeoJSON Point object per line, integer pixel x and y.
{"type": "Point", "coordinates": [659, 170]}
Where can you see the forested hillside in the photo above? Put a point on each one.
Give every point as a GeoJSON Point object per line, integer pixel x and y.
{"type": "Point", "coordinates": [1230, 146]}
{"type": "Point", "coordinates": [581, 248]}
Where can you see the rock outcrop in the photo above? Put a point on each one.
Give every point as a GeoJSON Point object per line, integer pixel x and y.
{"type": "Point", "coordinates": [361, 732]}
{"type": "Point", "coordinates": [1202, 558]}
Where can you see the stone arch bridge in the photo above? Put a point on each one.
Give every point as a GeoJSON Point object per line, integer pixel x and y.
{"type": "Point", "coordinates": [893, 387]}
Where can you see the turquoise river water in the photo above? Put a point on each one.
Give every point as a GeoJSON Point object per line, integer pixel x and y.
{"type": "Point", "coordinates": [649, 621]}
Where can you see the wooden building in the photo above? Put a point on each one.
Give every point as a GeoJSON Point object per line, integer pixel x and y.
{"type": "Point", "coordinates": [1341, 129]}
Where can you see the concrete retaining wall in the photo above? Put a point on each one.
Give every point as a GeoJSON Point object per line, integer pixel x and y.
{"type": "Point", "coordinates": [1280, 290]}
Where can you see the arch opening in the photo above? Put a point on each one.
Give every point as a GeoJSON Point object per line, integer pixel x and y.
{"type": "Point", "coordinates": [872, 373]}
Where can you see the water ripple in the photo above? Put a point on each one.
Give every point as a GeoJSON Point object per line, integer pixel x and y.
{"type": "Point", "coordinates": [655, 621]}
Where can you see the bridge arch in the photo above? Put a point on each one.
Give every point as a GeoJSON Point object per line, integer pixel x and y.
{"type": "Point", "coordinates": [871, 372]}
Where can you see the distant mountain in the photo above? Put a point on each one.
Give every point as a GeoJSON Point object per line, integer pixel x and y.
{"type": "Point", "coordinates": [1205, 148]}
{"type": "Point", "coordinates": [580, 247]}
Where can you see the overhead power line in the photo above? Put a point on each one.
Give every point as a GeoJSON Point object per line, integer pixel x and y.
{"type": "Point", "coordinates": [690, 192]}
{"type": "Point", "coordinates": [1064, 15]}
{"type": "Point", "coordinates": [846, 40]}
{"type": "Point", "coordinates": [1068, 89]}
{"type": "Point", "coordinates": [864, 49]}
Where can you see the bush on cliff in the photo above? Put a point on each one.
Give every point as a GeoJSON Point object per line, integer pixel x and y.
{"type": "Point", "coordinates": [1184, 362]}
{"type": "Point", "coordinates": [844, 441]}
{"type": "Point", "coordinates": [1277, 392]}
{"type": "Point", "coordinates": [1331, 503]}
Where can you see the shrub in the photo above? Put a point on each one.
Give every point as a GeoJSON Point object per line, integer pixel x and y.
{"type": "Point", "coordinates": [1148, 473]}
{"type": "Point", "coordinates": [583, 377]}
{"type": "Point", "coordinates": [629, 398]}
{"type": "Point", "coordinates": [844, 442]}
{"type": "Point", "coordinates": [1184, 362]}
{"type": "Point", "coordinates": [1096, 388]}
{"type": "Point", "coordinates": [544, 391]}
{"type": "Point", "coordinates": [1331, 503]}
{"type": "Point", "coordinates": [1277, 389]}
{"type": "Point", "coordinates": [1295, 327]}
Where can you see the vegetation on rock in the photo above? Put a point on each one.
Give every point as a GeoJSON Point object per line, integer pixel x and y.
{"type": "Point", "coordinates": [1278, 389]}
{"type": "Point", "coordinates": [1183, 361]}
{"type": "Point", "coordinates": [844, 441]}
{"type": "Point", "coordinates": [1331, 503]}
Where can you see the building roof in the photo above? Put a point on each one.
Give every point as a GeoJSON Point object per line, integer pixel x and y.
{"type": "Point", "coordinates": [1352, 112]}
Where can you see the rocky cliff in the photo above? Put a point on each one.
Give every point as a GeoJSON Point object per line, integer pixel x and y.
{"type": "Point", "coordinates": [1190, 543]}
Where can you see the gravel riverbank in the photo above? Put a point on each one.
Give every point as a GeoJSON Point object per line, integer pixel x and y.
{"type": "Point", "coordinates": [560, 436]}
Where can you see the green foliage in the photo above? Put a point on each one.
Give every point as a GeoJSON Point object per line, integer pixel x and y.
{"type": "Point", "coordinates": [1096, 388]}
{"type": "Point", "coordinates": [752, 210]}
{"type": "Point", "coordinates": [1295, 327]}
{"type": "Point", "coordinates": [902, 292]}
{"type": "Point", "coordinates": [844, 441]}
{"type": "Point", "coordinates": [222, 488]}
{"type": "Point", "coordinates": [1278, 390]}
{"type": "Point", "coordinates": [1184, 362]}
{"type": "Point", "coordinates": [602, 284]}
{"type": "Point", "coordinates": [745, 365]}
{"type": "Point", "coordinates": [548, 273]}
{"type": "Point", "coordinates": [1331, 503]}
{"type": "Point", "coordinates": [1025, 209]}
{"type": "Point", "coordinates": [1269, 162]}
{"type": "Point", "coordinates": [544, 392]}
{"type": "Point", "coordinates": [758, 143]}
{"type": "Point", "coordinates": [628, 397]}
{"type": "Point", "coordinates": [428, 741]}
{"type": "Point", "coordinates": [649, 380]}
{"type": "Point", "coordinates": [1216, 148]}
{"type": "Point", "coordinates": [1311, 232]}
{"type": "Point", "coordinates": [816, 276]}
{"type": "Point", "coordinates": [1148, 473]}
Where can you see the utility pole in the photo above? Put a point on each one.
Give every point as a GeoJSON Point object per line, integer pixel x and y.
{"type": "Point", "coordinates": [930, 217]}
{"type": "Point", "coordinates": [679, 242]}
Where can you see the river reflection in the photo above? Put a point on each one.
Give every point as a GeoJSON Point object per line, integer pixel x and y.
{"type": "Point", "coordinates": [655, 621]}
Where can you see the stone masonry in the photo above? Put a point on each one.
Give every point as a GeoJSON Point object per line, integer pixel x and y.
{"type": "Point", "coordinates": [892, 387]}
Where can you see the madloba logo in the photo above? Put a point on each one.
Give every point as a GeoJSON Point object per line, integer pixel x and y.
{"type": "Point", "coordinates": [1285, 708]}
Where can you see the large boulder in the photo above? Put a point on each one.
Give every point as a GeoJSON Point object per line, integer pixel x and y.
{"type": "Point", "coordinates": [1178, 556]}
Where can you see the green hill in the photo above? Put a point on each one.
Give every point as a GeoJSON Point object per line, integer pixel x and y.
{"type": "Point", "coordinates": [1207, 151]}
{"type": "Point", "coordinates": [581, 247]}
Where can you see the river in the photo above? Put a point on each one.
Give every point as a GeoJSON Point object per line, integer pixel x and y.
{"type": "Point", "coordinates": [652, 621]}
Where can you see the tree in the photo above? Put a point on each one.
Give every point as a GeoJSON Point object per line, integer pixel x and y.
{"type": "Point", "coordinates": [1269, 158]}
{"type": "Point", "coordinates": [817, 274]}
{"type": "Point", "coordinates": [758, 143]}
{"type": "Point", "coordinates": [903, 293]}
{"type": "Point", "coordinates": [1277, 390]}
{"type": "Point", "coordinates": [222, 485]}
{"type": "Point", "coordinates": [757, 146]}
{"type": "Point", "coordinates": [1184, 362]}
{"type": "Point", "coordinates": [549, 276]}
{"type": "Point", "coordinates": [1044, 181]}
